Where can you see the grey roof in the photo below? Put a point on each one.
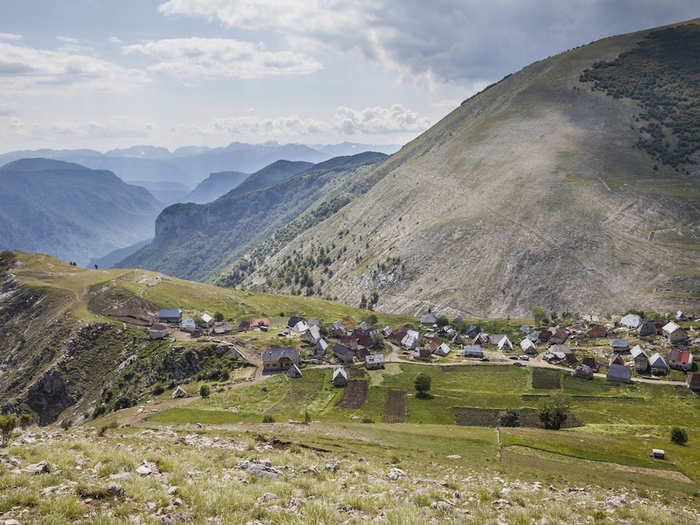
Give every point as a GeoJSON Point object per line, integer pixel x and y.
{"type": "Point", "coordinates": [170, 312]}
{"type": "Point", "coordinates": [473, 351]}
{"type": "Point", "coordinates": [340, 372]}
{"type": "Point", "coordinates": [275, 354]}
{"type": "Point", "coordinates": [637, 351]}
{"type": "Point", "coordinates": [631, 321]}
{"type": "Point", "coordinates": [533, 336]}
{"type": "Point", "coordinates": [374, 358]}
{"type": "Point", "coordinates": [619, 343]}
{"type": "Point", "coordinates": [340, 348]}
{"type": "Point", "coordinates": [619, 372]}
{"type": "Point", "coordinates": [657, 360]}
{"type": "Point", "coordinates": [428, 319]}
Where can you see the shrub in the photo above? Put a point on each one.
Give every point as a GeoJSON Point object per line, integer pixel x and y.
{"type": "Point", "coordinates": [509, 418]}
{"type": "Point", "coordinates": [108, 426]}
{"type": "Point", "coordinates": [204, 391]}
{"type": "Point", "coordinates": [158, 390]}
{"type": "Point", "coordinates": [539, 314]}
{"type": "Point", "coordinates": [368, 420]}
{"type": "Point", "coordinates": [679, 436]}
{"type": "Point", "coordinates": [442, 321]}
{"type": "Point", "coordinates": [422, 384]}
{"type": "Point", "coordinates": [25, 420]}
{"type": "Point", "coordinates": [371, 319]}
{"type": "Point", "coordinates": [7, 425]}
{"type": "Point", "coordinates": [66, 424]}
{"type": "Point", "coordinates": [268, 419]}
{"type": "Point", "coordinates": [307, 417]}
{"type": "Point", "coordinates": [218, 317]}
{"type": "Point", "coordinates": [553, 411]}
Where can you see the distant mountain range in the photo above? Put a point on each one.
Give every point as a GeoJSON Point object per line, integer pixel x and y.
{"type": "Point", "coordinates": [214, 186]}
{"type": "Point", "coordinates": [187, 166]}
{"type": "Point", "coordinates": [70, 211]}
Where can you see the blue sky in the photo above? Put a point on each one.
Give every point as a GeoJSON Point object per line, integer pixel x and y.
{"type": "Point", "coordinates": [102, 74]}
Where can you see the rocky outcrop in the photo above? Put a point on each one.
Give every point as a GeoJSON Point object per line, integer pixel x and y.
{"type": "Point", "coordinates": [50, 396]}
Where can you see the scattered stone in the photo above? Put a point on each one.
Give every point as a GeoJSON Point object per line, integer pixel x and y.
{"type": "Point", "coordinates": [262, 469]}
{"type": "Point", "coordinates": [43, 467]}
{"type": "Point", "coordinates": [121, 476]}
{"type": "Point", "coordinates": [115, 490]}
{"type": "Point", "coordinates": [146, 469]}
{"type": "Point", "coordinates": [172, 491]}
{"type": "Point", "coordinates": [267, 497]}
{"type": "Point", "coordinates": [396, 473]}
{"type": "Point", "coordinates": [332, 467]}
{"type": "Point", "coordinates": [454, 456]}
{"type": "Point", "coordinates": [12, 522]}
{"type": "Point", "coordinates": [177, 502]}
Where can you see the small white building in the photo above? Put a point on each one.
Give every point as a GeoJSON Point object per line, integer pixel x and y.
{"type": "Point", "coordinates": [527, 346]}
{"type": "Point", "coordinates": [504, 345]}
{"type": "Point", "coordinates": [658, 365]}
{"type": "Point", "coordinates": [411, 339]}
{"type": "Point", "coordinates": [442, 350]}
{"type": "Point", "coordinates": [188, 325]}
{"type": "Point", "coordinates": [207, 320]}
{"type": "Point", "coordinates": [674, 333]}
{"type": "Point", "coordinates": [340, 377]}
{"type": "Point", "coordinates": [158, 331]}
{"type": "Point", "coordinates": [631, 321]}
{"type": "Point", "coordinates": [641, 361]}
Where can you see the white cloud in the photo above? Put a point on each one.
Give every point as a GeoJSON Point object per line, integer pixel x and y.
{"type": "Point", "coordinates": [68, 39]}
{"type": "Point", "coordinates": [440, 40]}
{"type": "Point", "coordinates": [345, 122]}
{"type": "Point", "coordinates": [10, 36]}
{"type": "Point", "coordinates": [114, 40]}
{"type": "Point", "coordinates": [379, 120]}
{"type": "Point", "coordinates": [25, 68]}
{"type": "Point", "coordinates": [52, 132]}
{"type": "Point", "coordinates": [220, 57]}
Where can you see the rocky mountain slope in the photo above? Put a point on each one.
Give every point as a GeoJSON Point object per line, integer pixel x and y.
{"type": "Point", "coordinates": [214, 186]}
{"type": "Point", "coordinates": [572, 184]}
{"type": "Point", "coordinates": [71, 211]}
{"type": "Point", "coordinates": [196, 241]}
{"type": "Point", "coordinates": [272, 174]}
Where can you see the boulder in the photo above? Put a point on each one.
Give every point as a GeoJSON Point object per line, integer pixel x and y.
{"type": "Point", "coordinates": [43, 467]}
{"type": "Point", "coordinates": [396, 473]}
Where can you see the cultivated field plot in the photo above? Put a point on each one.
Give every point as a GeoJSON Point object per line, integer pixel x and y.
{"type": "Point", "coordinates": [486, 417]}
{"type": "Point", "coordinates": [543, 378]}
{"type": "Point", "coordinates": [355, 394]}
{"type": "Point", "coordinates": [395, 409]}
{"type": "Point", "coordinates": [356, 372]}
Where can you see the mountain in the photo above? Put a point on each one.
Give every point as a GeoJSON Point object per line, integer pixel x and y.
{"type": "Point", "coordinates": [166, 192]}
{"type": "Point", "coordinates": [272, 174]}
{"type": "Point", "coordinates": [189, 165]}
{"type": "Point", "coordinates": [572, 184]}
{"type": "Point", "coordinates": [214, 186]}
{"type": "Point", "coordinates": [71, 211]}
{"type": "Point", "coordinates": [198, 241]}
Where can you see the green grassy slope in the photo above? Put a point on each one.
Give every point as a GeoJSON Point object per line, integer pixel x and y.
{"type": "Point", "coordinates": [535, 191]}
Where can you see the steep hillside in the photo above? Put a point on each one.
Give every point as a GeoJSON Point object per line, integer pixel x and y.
{"type": "Point", "coordinates": [71, 211]}
{"type": "Point", "coordinates": [199, 241]}
{"type": "Point", "coordinates": [572, 184]}
{"type": "Point", "coordinates": [270, 175]}
{"type": "Point", "coordinates": [72, 344]}
{"type": "Point", "coordinates": [214, 186]}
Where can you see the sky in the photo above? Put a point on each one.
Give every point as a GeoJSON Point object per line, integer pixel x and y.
{"type": "Point", "coordinates": [103, 74]}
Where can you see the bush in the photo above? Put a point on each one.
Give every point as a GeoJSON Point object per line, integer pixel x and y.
{"type": "Point", "coordinates": [539, 314]}
{"type": "Point", "coordinates": [422, 384]}
{"type": "Point", "coordinates": [108, 426]}
{"type": "Point", "coordinates": [553, 412]}
{"type": "Point", "coordinates": [368, 420]}
{"type": "Point", "coordinates": [158, 390]}
{"type": "Point", "coordinates": [371, 319]}
{"type": "Point", "coordinates": [25, 420]}
{"type": "Point", "coordinates": [66, 424]}
{"type": "Point", "coordinates": [268, 419]}
{"type": "Point", "coordinates": [7, 425]}
{"type": "Point", "coordinates": [218, 317]}
{"type": "Point", "coordinates": [509, 418]}
{"type": "Point", "coordinates": [442, 321]}
{"type": "Point", "coordinates": [679, 436]}
{"type": "Point", "coordinates": [204, 391]}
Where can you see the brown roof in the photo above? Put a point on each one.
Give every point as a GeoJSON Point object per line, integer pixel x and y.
{"type": "Point", "coordinates": [263, 321]}
{"type": "Point", "coordinates": [597, 331]}
{"type": "Point", "coordinates": [159, 327]}
{"type": "Point", "coordinates": [694, 382]}
{"type": "Point", "coordinates": [681, 356]}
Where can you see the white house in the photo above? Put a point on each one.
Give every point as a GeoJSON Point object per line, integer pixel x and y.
{"type": "Point", "coordinates": [674, 333]}
{"type": "Point", "coordinates": [504, 345]}
{"type": "Point", "coordinates": [340, 377]}
{"type": "Point", "coordinates": [188, 325]}
{"type": "Point", "coordinates": [411, 339]}
{"type": "Point", "coordinates": [527, 346]}
{"type": "Point", "coordinates": [641, 361]}
{"type": "Point", "coordinates": [631, 321]}
{"type": "Point", "coordinates": [658, 365]}
{"type": "Point", "coordinates": [442, 350]}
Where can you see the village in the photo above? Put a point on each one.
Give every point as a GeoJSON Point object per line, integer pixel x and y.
{"type": "Point", "coordinates": [629, 348]}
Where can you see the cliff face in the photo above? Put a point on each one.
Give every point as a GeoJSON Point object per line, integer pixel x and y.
{"type": "Point", "coordinates": [541, 190]}
{"type": "Point", "coordinates": [199, 241]}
